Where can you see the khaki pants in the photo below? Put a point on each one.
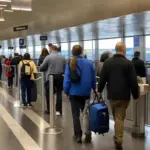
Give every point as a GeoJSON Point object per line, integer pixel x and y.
{"type": "Point", "coordinates": [119, 112]}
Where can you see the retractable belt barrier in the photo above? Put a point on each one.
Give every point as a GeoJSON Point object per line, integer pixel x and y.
{"type": "Point", "coordinates": [52, 129]}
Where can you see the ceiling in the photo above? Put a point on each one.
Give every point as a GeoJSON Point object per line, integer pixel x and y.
{"type": "Point", "coordinates": [68, 15]}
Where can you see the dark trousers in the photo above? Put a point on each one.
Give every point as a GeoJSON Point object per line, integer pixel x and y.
{"type": "Point", "coordinates": [26, 85]}
{"type": "Point", "coordinates": [77, 105]}
{"type": "Point", "coordinates": [58, 87]}
{"type": "Point", "coordinates": [10, 82]}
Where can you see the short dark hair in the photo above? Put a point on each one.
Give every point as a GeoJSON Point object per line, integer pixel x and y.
{"type": "Point", "coordinates": [137, 54]}
{"type": "Point", "coordinates": [104, 56]}
{"type": "Point", "coordinates": [50, 44]}
{"type": "Point", "coordinates": [26, 56]}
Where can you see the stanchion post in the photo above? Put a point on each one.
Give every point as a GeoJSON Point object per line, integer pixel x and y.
{"type": "Point", "coordinates": [17, 103]}
{"type": "Point", "coordinates": [43, 92]}
{"type": "Point", "coordinates": [52, 103]}
{"type": "Point", "coordinates": [53, 129]}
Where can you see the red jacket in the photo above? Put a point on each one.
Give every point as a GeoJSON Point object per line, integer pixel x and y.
{"type": "Point", "coordinates": [9, 72]}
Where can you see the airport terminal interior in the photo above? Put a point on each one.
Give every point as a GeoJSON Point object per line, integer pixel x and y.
{"type": "Point", "coordinates": [28, 26]}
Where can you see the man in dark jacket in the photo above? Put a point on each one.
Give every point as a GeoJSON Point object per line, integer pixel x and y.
{"type": "Point", "coordinates": [139, 65]}
{"type": "Point", "coordinates": [120, 76]}
{"type": "Point", "coordinates": [15, 61]}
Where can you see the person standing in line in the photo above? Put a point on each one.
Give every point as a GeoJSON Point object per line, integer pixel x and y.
{"type": "Point", "coordinates": [79, 91]}
{"type": "Point", "coordinates": [27, 70]}
{"type": "Point", "coordinates": [139, 65]}
{"type": "Point", "coordinates": [120, 76]}
{"type": "Point", "coordinates": [54, 64]}
{"type": "Point", "coordinates": [104, 57]}
{"type": "Point", "coordinates": [9, 72]}
{"type": "Point", "coordinates": [15, 61]}
{"type": "Point", "coordinates": [44, 53]}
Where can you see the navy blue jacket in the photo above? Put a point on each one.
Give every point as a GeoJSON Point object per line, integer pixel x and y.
{"type": "Point", "coordinates": [87, 82]}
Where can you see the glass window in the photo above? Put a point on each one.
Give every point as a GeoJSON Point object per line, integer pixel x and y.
{"type": "Point", "coordinates": [38, 50]}
{"type": "Point", "coordinates": [1, 51]}
{"type": "Point", "coordinates": [129, 47]}
{"type": "Point", "coordinates": [30, 51]}
{"type": "Point", "coordinates": [108, 45]}
{"type": "Point", "coordinates": [64, 50]}
{"type": "Point", "coordinates": [88, 49]}
{"type": "Point", "coordinates": [74, 43]}
{"type": "Point", "coordinates": [147, 46]}
{"type": "Point", "coordinates": [23, 51]}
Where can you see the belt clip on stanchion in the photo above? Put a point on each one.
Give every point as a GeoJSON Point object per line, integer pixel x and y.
{"type": "Point", "coordinates": [17, 102]}
{"type": "Point", "coordinates": [52, 129]}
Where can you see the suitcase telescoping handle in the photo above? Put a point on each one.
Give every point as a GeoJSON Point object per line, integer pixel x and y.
{"type": "Point", "coordinates": [98, 98]}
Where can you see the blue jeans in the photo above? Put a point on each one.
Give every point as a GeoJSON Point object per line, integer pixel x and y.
{"type": "Point", "coordinates": [26, 84]}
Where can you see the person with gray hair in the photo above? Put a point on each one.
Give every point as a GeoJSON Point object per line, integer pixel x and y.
{"type": "Point", "coordinates": [54, 64]}
{"type": "Point", "coordinates": [120, 76]}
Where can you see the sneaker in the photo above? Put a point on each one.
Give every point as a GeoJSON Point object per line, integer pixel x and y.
{"type": "Point", "coordinates": [58, 113]}
{"type": "Point", "coordinates": [88, 138]}
{"type": "Point", "coordinates": [24, 105]}
{"type": "Point", "coordinates": [77, 139]}
{"type": "Point", "coordinates": [29, 105]}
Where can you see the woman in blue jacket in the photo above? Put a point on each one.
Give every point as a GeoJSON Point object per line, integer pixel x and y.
{"type": "Point", "coordinates": [79, 79]}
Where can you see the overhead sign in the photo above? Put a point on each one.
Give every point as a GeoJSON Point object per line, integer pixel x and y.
{"type": "Point", "coordinates": [21, 42]}
{"type": "Point", "coordinates": [136, 41]}
{"type": "Point", "coordinates": [21, 28]}
{"type": "Point", "coordinates": [10, 47]}
{"type": "Point", "coordinates": [43, 38]}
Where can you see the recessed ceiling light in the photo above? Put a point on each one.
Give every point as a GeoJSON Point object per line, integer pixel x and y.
{"type": "Point", "coordinates": [8, 10]}
{"type": "Point", "coordinates": [5, 1]}
{"type": "Point", "coordinates": [1, 5]}
{"type": "Point", "coordinates": [22, 9]}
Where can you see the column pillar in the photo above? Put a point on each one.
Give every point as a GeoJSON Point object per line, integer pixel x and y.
{"type": "Point", "coordinates": [139, 45]}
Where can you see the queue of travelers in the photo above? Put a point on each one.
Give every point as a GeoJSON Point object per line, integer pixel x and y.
{"type": "Point", "coordinates": [117, 73]}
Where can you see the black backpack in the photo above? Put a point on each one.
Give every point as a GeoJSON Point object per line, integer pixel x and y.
{"type": "Point", "coordinates": [26, 70]}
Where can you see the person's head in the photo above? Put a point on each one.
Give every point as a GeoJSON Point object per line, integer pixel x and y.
{"type": "Point", "coordinates": [137, 54]}
{"type": "Point", "coordinates": [44, 52]}
{"type": "Point", "coordinates": [54, 48]}
{"type": "Point", "coordinates": [120, 48]}
{"type": "Point", "coordinates": [76, 51]}
{"type": "Point", "coordinates": [26, 56]}
{"type": "Point", "coordinates": [49, 46]}
{"type": "Point", "coordinates": [16, 54]}
{"type": "Point", "coordinates": [104, 56]}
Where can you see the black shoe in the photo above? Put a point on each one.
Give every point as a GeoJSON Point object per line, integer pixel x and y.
{"type": "Point", "coordinates": [46, 112]}
{"type": "Point", "coordinates": [118, 146]}
{"type": "Point", "coordinates": [29, 106]}
{"type": "Point", "coordinates": [78, 139]}
{"type": "Point", "coordinates": [88, 138]}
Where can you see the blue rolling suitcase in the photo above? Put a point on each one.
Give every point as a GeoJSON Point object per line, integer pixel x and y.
{"type": "Point", "coordinates": [99, 116]}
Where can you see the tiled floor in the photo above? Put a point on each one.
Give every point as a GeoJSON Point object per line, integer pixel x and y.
{"type": "Point", "coordinates": [33, 124]}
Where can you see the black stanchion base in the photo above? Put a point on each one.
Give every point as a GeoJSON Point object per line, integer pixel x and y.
{"type": "Point", "coordinates": [138, 135]}
{"type": "Point", "coordinates": [52, 131]}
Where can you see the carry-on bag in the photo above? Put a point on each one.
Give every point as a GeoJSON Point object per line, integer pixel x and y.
{"type": "Point", "coordinates": [33, 92]}
{"type": "Point", "coordinates": [98, 116]}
